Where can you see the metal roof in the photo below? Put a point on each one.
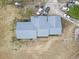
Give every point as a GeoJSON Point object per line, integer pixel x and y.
{"type": "Point", "coordinates": [40, 21]}
{"type": "Point", "coordinates": [55, 21]}
{"type": "Point", "coordinates": [25, 30]}
{"type": "Point", "coordinates": [55, 25]}
{"type": "Point", "coordinates": [40, 26]}
{"type": "Point", "coordinates": [24, 26]}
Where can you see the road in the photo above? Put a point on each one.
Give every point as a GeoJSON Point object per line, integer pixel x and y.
{"type": "Point", "coordinates": [55, 9]}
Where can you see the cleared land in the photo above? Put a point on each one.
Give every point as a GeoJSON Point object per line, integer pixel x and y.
{"type": "Point", "coordinates": [53, 47]}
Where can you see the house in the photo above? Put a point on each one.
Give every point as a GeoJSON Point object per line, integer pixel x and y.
{"type": "Point", "coordinates": [39, 26]}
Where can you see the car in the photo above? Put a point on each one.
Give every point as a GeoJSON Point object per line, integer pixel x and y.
{"type": "Point", "coordinates": [40, 10]}
{"type": "Point", "coordinates": [76, 2]}
{"type": "Point", "coordinates": [66, 16]}
{"type": "Point", "coordinates": [70, 4]}
{"type": "Point", "coordinates": [18, 4]}
{"type": "Point", "coordinates": [43, 11]}
{"type": "Point", "coordinates": [64, 8]}
{"type": "Point", "coordinates": [46, 10]}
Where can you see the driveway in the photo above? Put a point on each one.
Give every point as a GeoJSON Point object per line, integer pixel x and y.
{"type": "Point", "coordinates": [55, 9]}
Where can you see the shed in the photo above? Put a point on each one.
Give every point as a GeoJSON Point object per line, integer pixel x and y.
{"type": "Point", "coordinates": [25, 30]}
{"type": "Point", "coordinates": [41, 24]}
{"type": "Point", "coordinates": [55, 25]}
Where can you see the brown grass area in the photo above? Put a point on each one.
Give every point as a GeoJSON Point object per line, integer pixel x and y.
{"type": "Point", "coordinates": [53, 47]}
{"type": "Point", "coordinates": [7, 15]}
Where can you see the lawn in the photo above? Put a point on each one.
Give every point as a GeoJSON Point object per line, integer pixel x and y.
{"type": "Point", "coordinates": [74, 11]}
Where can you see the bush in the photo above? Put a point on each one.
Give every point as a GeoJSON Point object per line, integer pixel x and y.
{"type": "Point", "coordinates": [74, 11]}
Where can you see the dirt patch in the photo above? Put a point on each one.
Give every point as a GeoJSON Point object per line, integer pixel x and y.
{"type": "Point", "coordinates": [7, 15]}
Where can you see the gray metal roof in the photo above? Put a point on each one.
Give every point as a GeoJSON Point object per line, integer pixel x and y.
{"type": "Point", "coordinates": [55, 25]}
{"type": "Point", "coordinates": [25, 30]}
{"type": "Point", "coordinates": [55, 21]}
{"type": "Point", "coordinates": [40, 26]}
{"type": "Point", "coordinates": [40, 21]}
{"type": "Point", "coordinates": [24, 26]}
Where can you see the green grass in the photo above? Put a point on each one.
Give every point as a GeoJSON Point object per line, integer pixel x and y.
{"type": "Point", "coordinates": [74, 11]}
{"type": "Point", "coordinates": [3, 1]}
{"type": "Point", "coordinates": [26, 12]}
{"type": "Point", "coordinates": [29, 12]}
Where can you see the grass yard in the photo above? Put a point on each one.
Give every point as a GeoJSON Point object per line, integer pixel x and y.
{"type": "Point", "coordinates": [74, 11]}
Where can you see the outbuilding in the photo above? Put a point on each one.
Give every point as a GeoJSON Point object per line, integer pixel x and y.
{"type": "Point", "coordinates": [25, 30]}
{"type": "Point", "coordinates": [41, 25]}
{"type": "Point", "coordinates": [55, 25]}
